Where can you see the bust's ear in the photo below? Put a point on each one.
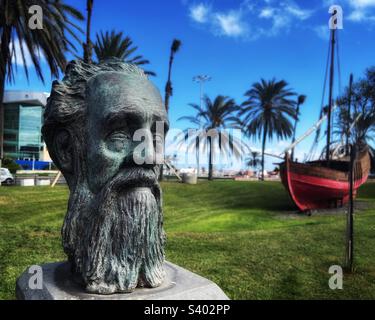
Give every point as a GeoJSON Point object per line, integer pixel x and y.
{"type": "Point", "coordinates": [63, 147]}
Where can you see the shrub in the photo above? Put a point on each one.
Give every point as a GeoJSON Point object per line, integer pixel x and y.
{"type": "Point", "coordinates": [11, 165]}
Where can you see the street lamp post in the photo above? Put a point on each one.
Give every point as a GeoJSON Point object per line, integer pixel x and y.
{"type": "Point", "coordinates": [201, 79]}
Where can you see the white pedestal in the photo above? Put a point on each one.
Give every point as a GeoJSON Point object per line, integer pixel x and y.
{"type": "Point", "coordinates": [43, 182]}
{"type": "Point", "coordinates": [58, 284]}
{"type": "Point", "coordinates": [27, 182]}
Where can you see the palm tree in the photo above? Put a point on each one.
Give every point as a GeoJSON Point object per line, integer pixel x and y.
{"type": "Point", "coordinates": [87, 47]}
{"type": "Point", "coordinates": [116, 45]}
{"type": "Point", "coordinates": [300, 101]}
{"type": "Point", "coordinates": [51, 40]}
{"type": "Point", "coordinates": [268, 111]}
{"type": "Point", "coordinates": [362, 115]}
{"type": "Point", "coordinates": [168, 87]}
{"type": "Point", "coordinates": [212, 119]}
{"type": "Point", "coordinates": [253, 160]}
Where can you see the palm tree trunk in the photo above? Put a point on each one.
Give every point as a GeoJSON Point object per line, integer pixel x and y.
{"type": "Point", "coordinates": [168, 93]}
{"type": "Point", "coordinates": [294, 131]}
{"type": "Point", "coordinates": [168, 86]}
{"type": "Point", "coordinates": [197, 154]}
{"type": "Point", "coordinates": [5, 55]}
{"type": "Point", "coordinates": [264, 147]}
{"type": "Point", "coordinates": [87, 48]}
{"type": "Point", "coordinates": [2, 87]}
{"type": "Point", "coordinates": [210, 166]}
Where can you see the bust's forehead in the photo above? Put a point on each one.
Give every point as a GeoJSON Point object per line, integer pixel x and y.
{"type": "Point", "coordinates": [109, 88]}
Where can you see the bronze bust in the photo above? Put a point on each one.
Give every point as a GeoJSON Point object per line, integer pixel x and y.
{"type": "Point", "coordinates": [113, 230]}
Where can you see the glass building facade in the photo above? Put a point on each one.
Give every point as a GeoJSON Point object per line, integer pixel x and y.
{"type": "Point", "coordinates": [22, 136]}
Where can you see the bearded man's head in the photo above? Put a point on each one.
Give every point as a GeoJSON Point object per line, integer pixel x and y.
{"type": "Point", "coordinates": [113, 230]}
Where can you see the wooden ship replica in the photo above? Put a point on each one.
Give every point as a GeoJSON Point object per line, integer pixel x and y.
{"type": "Point", "coordinates": [324, 183]}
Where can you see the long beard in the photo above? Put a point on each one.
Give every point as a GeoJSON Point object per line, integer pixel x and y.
{"type": "Point", "coordinates": [116, 239]}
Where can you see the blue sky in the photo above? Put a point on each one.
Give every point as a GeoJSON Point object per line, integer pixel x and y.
{"type": "Point", "coordinates": [237, 42]}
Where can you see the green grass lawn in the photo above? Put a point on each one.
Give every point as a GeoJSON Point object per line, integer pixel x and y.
{"type": "Point", "coordinates": [242, 235]}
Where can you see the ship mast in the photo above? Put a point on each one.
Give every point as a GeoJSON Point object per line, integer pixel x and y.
{"type": "Point", "coordinates": [331, 77]}
{"type": "Point", "coordinates": [348, 115]}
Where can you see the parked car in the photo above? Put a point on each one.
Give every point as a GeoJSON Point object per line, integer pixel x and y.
{"type": "Point", "coordinates": [6, 177]}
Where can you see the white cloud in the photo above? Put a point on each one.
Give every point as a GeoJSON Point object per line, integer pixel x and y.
{"type": "Point", "coordinates": [263, 18]}
{"type": "Point", "coordinates": [360, 15]}
{"type": "Point", "coordinates": [357, 16]}
{"type": "Point", "coordinates": [17, 54]}
{"type": "Point", "coordinates": [362, 3]}
{"type": "Point", "coordinates": [362, 10]}
{"type": "Point", "coordinates": [199, 12]}
{"type": "Point", "coordinates": [268, 18]}
{"type": "Point", "coordinates": [231, 24]}
{"type": "Point", "coordinates": [358, 11]}
{"type": "Point", "coordinates": [266, 13]}
{"type": "Point", "coordinates": [280, 21]}
{"type": "Point", "coordinates": [322, 32]}
{"type": "Point", "coordinates": [283, 16]}
{"type": "Point", "coordinates": [298, 12]}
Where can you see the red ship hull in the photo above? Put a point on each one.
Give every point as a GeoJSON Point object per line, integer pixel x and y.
{"type": "Point", "coordinates": [313, 186]}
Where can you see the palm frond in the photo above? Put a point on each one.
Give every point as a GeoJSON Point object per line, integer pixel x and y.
{"type": "Point", "coordinates": [50, 43]}
{"type": "Point", "coordinates": [114, 44]}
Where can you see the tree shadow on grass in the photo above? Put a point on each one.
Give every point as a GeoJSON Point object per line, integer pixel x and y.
{"type": "Point", "coordinates": [367, 191]}
{"type": "Point", "coordinates": [262, 195]}
{"type": "Point", "coordinates": [289, 283]}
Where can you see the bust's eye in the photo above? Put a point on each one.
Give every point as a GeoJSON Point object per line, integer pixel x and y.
{"type": "Point", "coordinates": [118, 141]}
